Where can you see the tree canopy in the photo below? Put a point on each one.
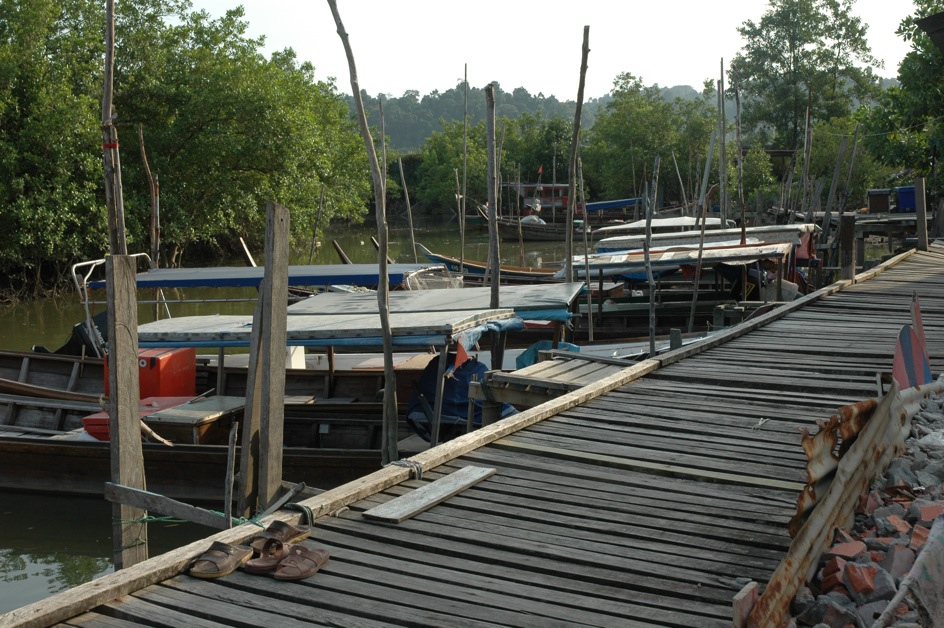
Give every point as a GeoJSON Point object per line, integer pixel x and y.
{"type": "Point", "coordinates": [800, 53]}
{"type": "Point", "coordinates": [225, 130]}
{"type": "Point", "coordinates": [904, 130]}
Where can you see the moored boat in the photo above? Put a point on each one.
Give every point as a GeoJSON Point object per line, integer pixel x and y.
{"type": "Point", "coordinates": [475, 271]}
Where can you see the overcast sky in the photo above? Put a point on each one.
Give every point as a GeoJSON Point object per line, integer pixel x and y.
{"type": "Point", "coordinates": [425, 45]}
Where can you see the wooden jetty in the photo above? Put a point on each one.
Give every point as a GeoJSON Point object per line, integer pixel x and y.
{"type": "Point", "coordinates": [658, 494]}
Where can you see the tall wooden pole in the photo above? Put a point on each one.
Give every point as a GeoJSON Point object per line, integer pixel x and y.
{"type": "Point", "coordinates": [409, 209]}
{"type": "Point", "coordinates": [494, 260]}
{"type": "Point", "coordinates": [112, 164]}
{"type": "Point", "coordinates": [921, 214]}
{"type": "Point", "coordinates": [701, 207]}
{"type": "Point", "coordinates": [389, 449]}
{"type": "Point", "coordinates": [129, 532]}
{"type": "Point", "coordinates": [722, 150]}
{"type": "Point", "coordinates": [574, 144]}
{"type": "Point", "coordinates": [491, 176]}
{"type": "Point", "coordinates": [465, 166]}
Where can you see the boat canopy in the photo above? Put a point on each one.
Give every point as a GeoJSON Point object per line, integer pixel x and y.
{"type": "Point", "coordinates": [550, 301]}
{"type": "Point", "coordinates": [409, 329]}
{"type": "Point", "coordinates": [614, 204]}
{"type": "Point", "coordinates": [320, 275]}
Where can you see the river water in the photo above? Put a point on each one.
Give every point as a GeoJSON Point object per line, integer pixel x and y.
{"type": "Point", "coordinates": [52, 543]}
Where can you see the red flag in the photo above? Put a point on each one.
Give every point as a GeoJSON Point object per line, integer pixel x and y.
{"type": "Point", "coordinates": [461, 355]}
{"type": "Point", "coordinates": [540, 169]}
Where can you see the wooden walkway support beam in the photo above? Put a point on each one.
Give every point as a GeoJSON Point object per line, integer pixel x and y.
{"type": "Point", "coordinates": [127, 458]}
{"type": "Point", "coordinates": [263, 422]}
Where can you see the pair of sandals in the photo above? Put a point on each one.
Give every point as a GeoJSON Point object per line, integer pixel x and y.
{"type": "Point", "coordinates": [275, 551]}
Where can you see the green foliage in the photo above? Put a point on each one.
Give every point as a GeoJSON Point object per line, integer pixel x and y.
{"type": "Point", "coordinates": [757, 175]}
{"type": "Point", "coordinates": [800, 52]}
{"type": "Point", "coordinates": [228, 130]}
{"type": "Point", "coordinates": [50, 171]}
{"type": "Point", "coordinates": [442, 156]}
{"type": "Point", "coordinates": [635, 127]}
{"type": "Point", "coordinates": [225, 130]}
{"type": "Point", "coordinates": [904, 130]}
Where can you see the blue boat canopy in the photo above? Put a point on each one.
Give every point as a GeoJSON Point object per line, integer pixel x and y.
{"type": "Point", "coordinates": [614, 204]}
{"type": "Point", "coordinates": [320, 275]}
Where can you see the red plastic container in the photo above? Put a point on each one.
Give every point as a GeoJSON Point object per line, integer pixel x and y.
{"type": "Point", "coordinates": [97, 424]}
{"type": "Point", "coordinates": [165, 372]}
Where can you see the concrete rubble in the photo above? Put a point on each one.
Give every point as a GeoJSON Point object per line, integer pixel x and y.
{"type": "Point", "coordinates": [861, 573]}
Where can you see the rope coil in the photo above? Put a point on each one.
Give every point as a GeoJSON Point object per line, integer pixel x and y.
{"type": "Point", "coordinates": [416, 469]}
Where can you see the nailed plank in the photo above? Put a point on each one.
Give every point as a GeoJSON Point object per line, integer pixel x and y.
{"type": "Point", "coordinates": [429, 495]}
{"type": "Point", "coordinates": [653, 467]}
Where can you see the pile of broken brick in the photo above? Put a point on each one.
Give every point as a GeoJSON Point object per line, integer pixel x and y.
{"type": "Point", "coordinates": [860, 575]}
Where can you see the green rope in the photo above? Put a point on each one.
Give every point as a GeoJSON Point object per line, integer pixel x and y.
{"type": "Point", "coordinates": [305, 510]}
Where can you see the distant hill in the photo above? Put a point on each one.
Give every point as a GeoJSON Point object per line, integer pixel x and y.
{"type": "Point", "coordinates": [411, 118]}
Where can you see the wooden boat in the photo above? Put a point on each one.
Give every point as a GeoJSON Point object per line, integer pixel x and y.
{"type": "Point", "coordinates": [672, 224]}
{"type": "Point", "coordinates": [325, 445]}
{"type": "Point", "coordinates": [632, 264]}
{"type": "Point", "coordinates": [765, 233]}
{"type": "Point", "coordinates": [475, 271]}
{"type": "Point", "coordinates": [511, 230]}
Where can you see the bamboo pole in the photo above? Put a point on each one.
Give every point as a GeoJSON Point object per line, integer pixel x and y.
{"type": "Point", "coordinates": [112, 164]}
{"type": "Point", "coordinates": [314, 229]}
{"type": "Point", "coordinates": [681, 186]}
{"type": "Point", "coordinates": [493, 258]}
{"type": "Point", "coordinates": [465, 164]}
{"type": "Point", "coordinates": [650, 208]}
{"type": "Point", "coordinates": [574, 144]}
{"type": "Point", "coordinates": [409, 209]}
{"type": "Point", "coordinates": [921, 214]}
{"type": "Point", "coordinates": [389, 449]}
{"type": "Point", "coordinates": [807, 206]}
{"type": "Point", "coordinates": [586, 255]}
{"type": "Point", "coordinates": [701, 243]}
{"type": "Point", "coordinates": [740, 154]}
{"type": "Point", "coordinates": [154, 188]}
{"type": "Point", "coordinates": [722, 150]}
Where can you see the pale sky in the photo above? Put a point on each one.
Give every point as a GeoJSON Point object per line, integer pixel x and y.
{"type": "Point", "coordinates": [425, 45]}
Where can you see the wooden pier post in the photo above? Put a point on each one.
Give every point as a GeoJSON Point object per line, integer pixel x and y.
{"type": "Point", "coordinates": [921, 214]}
{"type": "Point", "coordinates": [847, 243]}
{"type": "Point", "coordinates": [129, 532]}
{"type": "Point", "coordinates": [260, 476]}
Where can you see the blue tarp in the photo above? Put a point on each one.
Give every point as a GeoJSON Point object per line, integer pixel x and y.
{"type": "Point", "coordinates": [616, 204]}
{"type": "Point", "coordinates": [455, 402]}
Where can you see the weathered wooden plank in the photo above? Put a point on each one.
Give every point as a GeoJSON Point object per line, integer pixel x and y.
{"type": "Point", "coordinates": [428, 495]}
{"type": "Point", "coordinates": [677, 456]}
{"type": "Point", "coordinates": [98, 620]}
{"type": "Point", "coordinates": [677, 434]}
{"type": "Point", "coordinates": [503, 554]}
{"type": "Point", "coordinates": [164, 505]}
{"type": "Point", "coordinates": [653, 467]}
{"type": "Point", "coordinates": [140, 612]}
{"type": "Point", "coordinates": [258, 592]}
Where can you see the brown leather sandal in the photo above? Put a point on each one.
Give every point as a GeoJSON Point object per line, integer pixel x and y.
{"type": "Point", "coordinates": [220, 559]}
{"type": "Point", "coordinates": [280, 531]}
{"type": "Point", "coordinates": [301, 562]}
{"type": "Point", "coordinates": [272, 553]}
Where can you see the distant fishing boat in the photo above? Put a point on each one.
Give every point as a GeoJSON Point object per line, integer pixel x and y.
{"type": "Point", "coordinates": [474, 270]}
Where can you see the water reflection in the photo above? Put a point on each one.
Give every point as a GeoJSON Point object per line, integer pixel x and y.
{"type": "Point", "coordinates": [51, 543]}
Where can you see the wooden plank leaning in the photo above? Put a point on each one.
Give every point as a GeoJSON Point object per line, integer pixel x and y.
{"type": "Point", "coordinates": [428, 495]}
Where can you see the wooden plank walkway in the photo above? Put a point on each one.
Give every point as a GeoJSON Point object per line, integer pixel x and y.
{"type": "Point", "coordinates": [648, 498]}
